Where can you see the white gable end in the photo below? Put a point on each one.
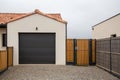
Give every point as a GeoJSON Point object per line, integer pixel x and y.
{"type": "Point", "coordinates": [44, 25]}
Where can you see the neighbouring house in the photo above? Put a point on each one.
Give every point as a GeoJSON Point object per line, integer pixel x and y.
{"type": "Point", "coordinates": [36, 38]}
{"type": "Point", "coordinates": [107, 28]}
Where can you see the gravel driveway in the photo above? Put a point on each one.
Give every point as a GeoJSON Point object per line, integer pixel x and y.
{"type": "Point", "coordinates": [54, 72]}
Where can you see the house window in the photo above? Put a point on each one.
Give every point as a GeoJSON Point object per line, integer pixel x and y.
{"type": "Point", "coordinates": [4, 40]}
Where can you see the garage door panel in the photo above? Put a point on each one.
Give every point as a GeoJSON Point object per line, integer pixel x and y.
{"type": "Point", "coordinates": [39, 44]}
{"type": "Point", "coordinates": [35, 54]}
{"type": "Point", "coordinates": [37, 60]}
{"type": "Point", "coordinates": [38, 52]}
{"type": "Point", "coordinates": [33, 45]}
{"type": "Point", "coordinates": [37, 48]}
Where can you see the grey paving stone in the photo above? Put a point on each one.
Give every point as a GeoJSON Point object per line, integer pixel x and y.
{"type": "Point", "coordinates": [55, 72]}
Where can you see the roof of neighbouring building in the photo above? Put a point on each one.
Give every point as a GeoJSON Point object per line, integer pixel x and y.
{"type": "Point", "coordinates": [106, 19]}
{"type": "Point", "coordinates": [9, 17]}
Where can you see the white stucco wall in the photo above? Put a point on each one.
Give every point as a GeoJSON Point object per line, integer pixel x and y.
{"type": "Point", "coordinates": [2, 31]}
{"type": "Point", "coordinates": [105, 29]}
{"type": "Point", "coordinates": [45, 25]}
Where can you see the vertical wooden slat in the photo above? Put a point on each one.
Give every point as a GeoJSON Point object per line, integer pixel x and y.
{"type": "Point", "coordinates": [10, 56]}
{"type": "Point", "coordinates": [79, 57]}
{"type": "Point", "coordinates": [87, 57]}
{"type": "Point", "coordinates": [86, 47]}
{"type": "Point", "coordinates": [93, 51]}
{"type": "Point", "coordinates": [0, 61]}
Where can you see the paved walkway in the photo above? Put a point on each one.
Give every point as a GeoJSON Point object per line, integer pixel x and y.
{"type": "Point", "coordinates": [54, 72]}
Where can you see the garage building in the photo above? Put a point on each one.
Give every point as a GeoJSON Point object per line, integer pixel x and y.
{"type": "Point", "coordinates": [36, 38]}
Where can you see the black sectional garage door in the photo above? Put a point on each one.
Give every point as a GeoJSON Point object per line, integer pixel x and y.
{"type": "Point", "coordinates": [37, 48]}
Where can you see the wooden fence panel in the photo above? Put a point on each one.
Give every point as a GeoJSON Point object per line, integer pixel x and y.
{"type": "Point", "coordinates": [3, 60]}
{"type": "Point", "coordinates": [10, 56]}
{"type": "Point", "coordinates": [70, 51]}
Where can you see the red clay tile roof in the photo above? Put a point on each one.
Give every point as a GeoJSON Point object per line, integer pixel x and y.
{"type": "Point", "coordinates": [9, 17]}
{"type": "Point", "coordinates": [57, 16]}
{"type": "Point", "coordinates": [6, 17]}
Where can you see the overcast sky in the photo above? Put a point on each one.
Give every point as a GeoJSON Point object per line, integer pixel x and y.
{"type": "Point", "coordinates": [81, 15]}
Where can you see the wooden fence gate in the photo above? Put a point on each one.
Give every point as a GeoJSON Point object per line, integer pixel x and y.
{"type": "Point", "coordinates": [80, 51]}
